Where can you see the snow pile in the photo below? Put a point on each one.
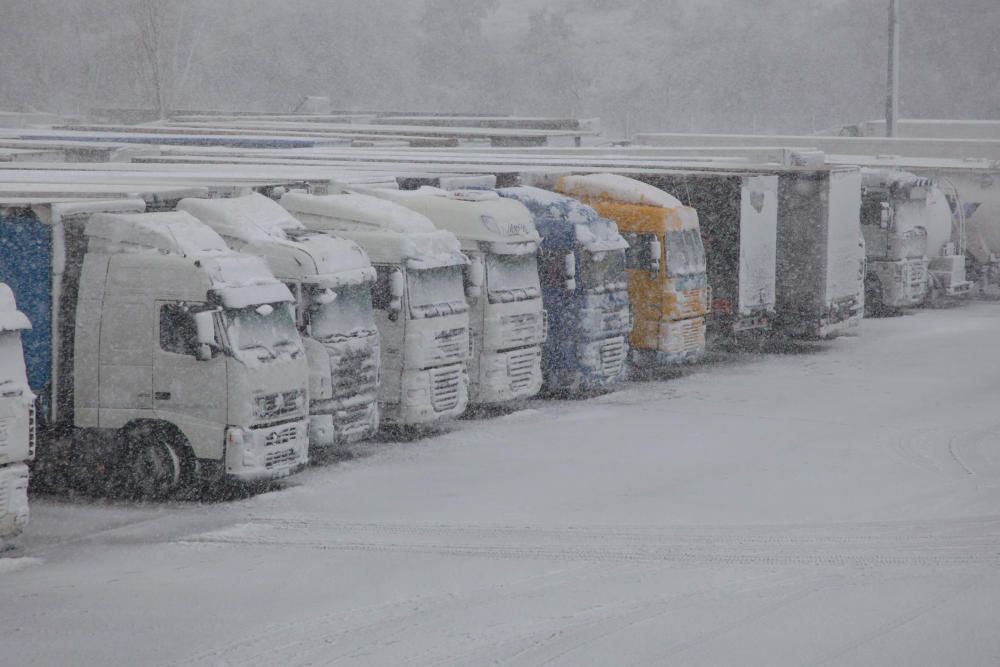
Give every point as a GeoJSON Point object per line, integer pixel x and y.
{"type": "Point", "coordinates": [358, 212]}
{"type": "Point", "coordinates": [251, 217]}
{"type": "Point", "coordinates": [620, 188]}
{"type": "Point", "coordinates": [175, 233]}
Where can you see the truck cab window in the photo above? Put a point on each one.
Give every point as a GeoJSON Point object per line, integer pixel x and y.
{"type": "Point", "coordinates": [637, 254]}
{"type": "Point", "coordinates": [178, 333]}
{"type": "Point", "coordinates": [551, 268]}
{"type": "Point", "coordinates": [381, 290]}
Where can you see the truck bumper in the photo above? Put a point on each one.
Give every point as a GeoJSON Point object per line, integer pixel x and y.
{"type": "Point", "coordinates": [13, 499]}
{"type": "Point", "coordinates": [336, 423]}
{"type": "Point", "coordinates": [261, 454]}
{"type": "Point", "coordinates": [430, 395]}
{"type": "Point", "coordinates": [509, 376]}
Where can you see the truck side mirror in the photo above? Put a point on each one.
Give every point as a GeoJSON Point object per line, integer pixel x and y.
{"type": "Point", "coordinates": [654, 255]}
{"type": "Point", "coordinates": [204, 322]}
{"type": "Point", "coordinates": [474, 280]}
{"type": "Point", "coordinates": [885, 216]}
{"type": "Point", "coordinates": [396, 295]}
{"type": "Point", "coordinates": [569, 270]}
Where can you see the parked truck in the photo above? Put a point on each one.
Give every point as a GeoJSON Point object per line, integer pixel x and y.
{"type": "Point", "coordinates": [895, 247]}
{"type": "Point", "coordinates": [331, 279]}
{"type": "Point", "coordinates": [507, 320]}
{"type": "Point", "coordinates": [584, 291]}
{"type": "Point", "coordinates": [420, 308]}
{"type": "Point", "coordinates": [738, 218]}
{"type": "Point", "coordinates": [665, 264]}
{"type": "Point", "coordinates": [158, 355]}
{"type": "Point", "coordinates": [820, 255]}
{"type": "Point", "coordinates": [17, 420]}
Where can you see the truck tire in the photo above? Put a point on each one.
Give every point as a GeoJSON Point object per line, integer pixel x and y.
{"type": "Point", "coordinates": [874, 304]}
{"type": "Point", "coordinates": [156, 462]}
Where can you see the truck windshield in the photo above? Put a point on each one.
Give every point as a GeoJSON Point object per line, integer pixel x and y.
{"type": "Point", "coordinates": [685, 252]}
{"type": "Point", "coordinates": [263, 332]}
{"type": "Point", "coordinates": [435, 292]}
{"type": "Point", "coordinates": [11, 362]}
{"type": "Point", "coordinates": [512, 277]}
{"type": "Point", "coordinates": [603, 270]}
{"type": "Point", "coordinates": [349, 315]}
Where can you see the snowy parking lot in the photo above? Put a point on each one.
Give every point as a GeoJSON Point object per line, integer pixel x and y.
{"type": "Point", "coordinates": [839, 505]}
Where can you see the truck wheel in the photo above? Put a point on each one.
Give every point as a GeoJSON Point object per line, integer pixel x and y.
{"type": "Point", "coordinates": [874, 305]}
{"type": "Point", "coordinates": [156, 463]}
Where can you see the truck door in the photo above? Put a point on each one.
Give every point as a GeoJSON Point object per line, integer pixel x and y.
{"type": "Point", "coordinates": [645, 288]}
{"type": "Point", "coordinates": [188, 392]}
{"type": "Point", "coordinates": [125, 385]}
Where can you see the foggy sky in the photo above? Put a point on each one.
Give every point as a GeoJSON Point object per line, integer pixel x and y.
{"type": "Point", "coordinates": [645, 65]}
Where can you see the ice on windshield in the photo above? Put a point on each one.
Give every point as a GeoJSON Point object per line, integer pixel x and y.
{"type": "Point", "coordinates": [601, 271]}
{"type": "Point", "coordinates": [263, 332]}
{"type": "Point", "coordinates": [512, 277]}
{"type": "Point", "coordinates": [348, 315]}
{"type": "Point", "coordinates": [435, 292]}
{"type": "Point", "coordinates": [685, 252]}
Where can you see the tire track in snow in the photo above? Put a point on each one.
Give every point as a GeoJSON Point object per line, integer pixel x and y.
{"type": "Point", "coordinates": [890, 544]}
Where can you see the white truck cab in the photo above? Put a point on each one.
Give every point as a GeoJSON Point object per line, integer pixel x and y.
{"type": "Point", "coordinates": [420, 308]}
{"type": "Point", "coordinates": [186, 353]}
{"type": "Point", "coordinates": [331, 279]}
{"type": "Point", "coordinates": [17, 420]}
{"type": "Point", "coordinates": [506, 314]}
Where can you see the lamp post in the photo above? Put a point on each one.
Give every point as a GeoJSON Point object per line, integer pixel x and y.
{"type": "Point", "coordinates": [892, 78]}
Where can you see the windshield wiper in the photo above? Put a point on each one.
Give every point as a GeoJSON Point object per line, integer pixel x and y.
{"type": "Point", "coordinates": [288, 341]}
{"type": "Point", "coordinates": [271, 353]}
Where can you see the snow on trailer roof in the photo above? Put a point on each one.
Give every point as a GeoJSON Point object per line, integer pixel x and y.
{"type": "Point", "coordinates": [620, 188]}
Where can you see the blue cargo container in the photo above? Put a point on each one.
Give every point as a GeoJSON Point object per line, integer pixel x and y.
{"type": "Point", "coordinates": [584, 289]}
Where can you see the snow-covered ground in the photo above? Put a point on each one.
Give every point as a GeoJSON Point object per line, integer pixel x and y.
{"type": "Point", "coordinates": [836, 506]}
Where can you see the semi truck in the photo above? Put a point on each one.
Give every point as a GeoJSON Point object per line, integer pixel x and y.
{"type": "Point", "coordinates": [420, 307]}
{"type": "Point", "coordinates": [738, 218]}
{"type": "Point", "coordinates": [17, 421]}
{"type": "Point", "coordinates": [665, 264]}
{"type": "Point", "coordinates": [584, 291]}
{"type": "Point", "coordinates": [895, 244]}
{"type": "Point", "coordinates": [507, 319]}
{"type": "Point", "coordinates": [331, 279]}
{"type": "Point", "coordinates": [159, 356]}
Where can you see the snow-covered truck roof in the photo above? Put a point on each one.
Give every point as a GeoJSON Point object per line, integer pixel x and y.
{"type": "Point", "coordinates": [239, 280]}
{"type": "Point", "coordinates": [628, 201]}
{"type": "Point", "coordinates": [259, 225]}
{"type": "Point", "coordinates": [11, 319]}
{"type": "Point", "coordinates": [594, 232]}
{"type": "Point", "coordinates": [472, 215]}
{"type": "Point", "coordinates": [389, 232]}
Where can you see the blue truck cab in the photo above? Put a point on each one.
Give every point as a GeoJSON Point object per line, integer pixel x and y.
{"type": "Point", "coordinates": [584, 289]}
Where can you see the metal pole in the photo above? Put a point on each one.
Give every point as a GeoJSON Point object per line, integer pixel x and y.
{"type": "Point", "coordinates": [892, 79]}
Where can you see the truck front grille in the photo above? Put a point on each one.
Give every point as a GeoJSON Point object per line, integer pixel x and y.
{"type": "Point", "coordinates": [521, 368]}
{"type": "Point", "coordinates": [445, 388]}
{"type": "Point", "coordinates": [692, 303]}
{"type": "Point", "coordinates": [32, 432]}
{"type": "Point", "coordinates": [354, 375]}
{"type": "Point", "coordinates": [282, 437]}
{"type": "Point", "coordinates": [268, 407]}
{"type": "Point", "coordinates": [613, 357]}
{"type": "Point", "coordinates": [692, 334]}
{"type": "Point", "coordinates": [522, 329]}
{"type": "Point", "coordinates": [280, 458]}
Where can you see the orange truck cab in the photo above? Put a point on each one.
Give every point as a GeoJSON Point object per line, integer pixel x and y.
{"type": "Point", "coordinates": [665, 263]}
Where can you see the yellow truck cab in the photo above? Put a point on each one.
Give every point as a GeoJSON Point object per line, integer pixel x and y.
{"type": "Point", "coordinates": [665, 263]}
